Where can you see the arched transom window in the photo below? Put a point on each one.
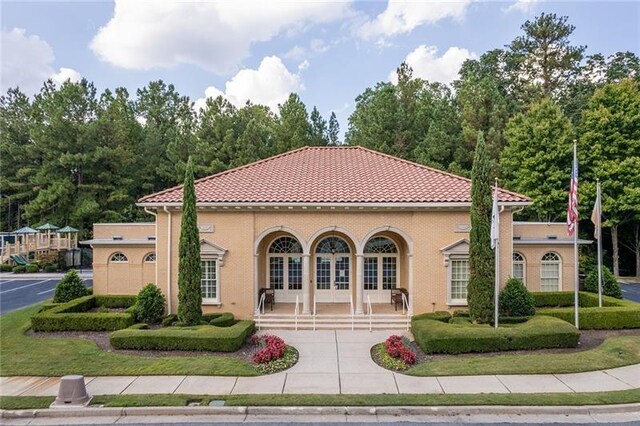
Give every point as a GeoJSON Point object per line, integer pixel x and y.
{"type": "Point", "coordinates": [519, 266]}
{"type": "Point", "coordinates": [333, 245]}
{"type": "Point", "coordinates": [118, 257]}
{"type": "Point", "coordinates": [285, 268]}
{"type": "Point", "coordinates": [550, 270]}
{"type": "Point", "coordinates": [285, 245]}
{"type": "Point", "coordinates": [380, 265]}
{"type": "Point", "coordinates": [150, 257]}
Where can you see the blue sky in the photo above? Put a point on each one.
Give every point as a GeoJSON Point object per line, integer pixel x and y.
{"type": "Point", "coordinates": [328, 52]}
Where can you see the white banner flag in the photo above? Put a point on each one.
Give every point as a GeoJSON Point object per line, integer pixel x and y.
{"type": "Point", "coordinates": [495, 219]}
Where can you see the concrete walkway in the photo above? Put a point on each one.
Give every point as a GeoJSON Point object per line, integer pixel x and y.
{"type": "Point", "coordinates": [335, 362]}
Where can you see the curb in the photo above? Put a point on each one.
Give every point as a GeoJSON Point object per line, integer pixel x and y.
{"type": "Point", "coordinates": [315, 411]}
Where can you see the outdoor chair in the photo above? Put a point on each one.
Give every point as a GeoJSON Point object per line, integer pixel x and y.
{"type": "Point", "coordinates": [269, 296]}
{"type": "Point", "coordinates": [396, 296]}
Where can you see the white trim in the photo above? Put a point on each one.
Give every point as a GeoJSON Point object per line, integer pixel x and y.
{"type": "Point", "coordinates": [112, 242]}
{"type": "Point", "coordinates": [524, 266]}
{"type": "Point", "coordinates": [558, 262]}
{"type": "Point", "coordinates": [281, 228]}
{"type": "Point", "coordinates": [359, 205]}
{"type": "Point", "coordinates": [450, 300]}
{"type": "Point", "coordinates": [332, 231]}
{"type": "Point", "coordinates": [155, 257]}
{"type": "Point", "coordinates": [216, 261]}
{"type": "Point", "coordinates": [547, 241]}
{"type": "Point", "coordinates": [403, 234]}
{"type": "Point", "coordinates": [539, 223]}
{"type": "Point", "coordinates": [126, 224]}
{"type": "Point", "coordinates": [118, 261]}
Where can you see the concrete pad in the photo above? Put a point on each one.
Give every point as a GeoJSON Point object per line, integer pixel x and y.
{"type": "Point", "coordinates": [297, 419]}
{"type": "Point", "coordinates": [48, 387]}
{"type": "Point", "coordinates": [109, 385]}
{"type": "Point", "coordinates": [363, 336]}
{"type": "Point", "coordinates": [411, 384]}
{"type": "Point", "coordinates": [89, 420]}
{"type": "Point", "coordinates": [629, 374]}
{"type": "Point", "coordinates": [273, 383]}
{"type": "Point", "coordinates": [182, 419]}
{"type": "Point", "coordinates": [533, 383]}
{"type": "Point", "coordinates": [361, 349]}
{"type": "Point", "coordinates": [359, 365]}
{"type": "Point", "coordinates": [315, 365]}
{"type": "Point", "coordinates": [14, 386]}
{"type": "Point", "coordinates": [472, 384]}
{"type": "Point", "coordinates": [206, 385]}
{"type": "Point", "coordinates": [16, 422]}
{"type": "Point", "coordinates": [153, 384]}
{"type": "Point", "coordinates": [304, 336]}
{"type": "Point", "coordinates": [594, 381]}
{"type": "Point", "coordinates": [308, 383]}
{"type": "Point", "coordinates": [317, 349]}
{"type": "Point", "coordinates": [368, 383]}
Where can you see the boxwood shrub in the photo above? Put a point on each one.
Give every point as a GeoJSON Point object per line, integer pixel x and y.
{"type": "Point", "coordinates": [442, 316]}
{"type": "Point", "coordinates": [196, 338]}
{"type": "Point", "coordinates": [20, 269]}
{"type": "Point", "coordinates": [5, 267]}
{"type": "Point", "coordinates": [223, 319]}
{"type": "Point", "coordinates": [538, 333]}
{"type": "Point", "coordinates": [74, 315]}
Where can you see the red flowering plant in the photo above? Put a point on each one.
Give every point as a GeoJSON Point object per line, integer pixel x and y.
{"type": "Point", "coordinates": [397, 348]}
{"type": "Point", "coordinates": [271, 348]}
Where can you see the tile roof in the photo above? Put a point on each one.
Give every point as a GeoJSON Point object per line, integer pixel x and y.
{"type": "Point", "coordinates": [330, 175]}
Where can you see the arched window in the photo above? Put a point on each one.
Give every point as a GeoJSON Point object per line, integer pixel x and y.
{"type": "Point", "coordinates": [285, 245]}
{"type": "Point", "coordinates": [285, 267]}
{"type": "Point", "coordinates": [519, 267]}
{"type": "Point", "coordinates": [380, 264]}
{"type": "Point", "coordinates": [150, 257]}
{"type": "Point", "coordinates": [550, 270]}
{"type": "Point", "coordinates": [118, 257]}
{"type": "Point", "coordinates": [333, 245]}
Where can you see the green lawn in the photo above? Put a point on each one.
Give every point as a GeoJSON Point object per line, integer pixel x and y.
{"type": "Point", "coordinates": [614, 352]}
{"type": "Point", "coordinates": [21, 355]}
{"type": "Point", "coordinates": [596, 398]}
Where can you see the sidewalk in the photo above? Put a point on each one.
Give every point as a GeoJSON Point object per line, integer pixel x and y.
{"type": "Point", "coordinates": [335, 362]}
{"type": "Point", "coordinates": [85, 274]}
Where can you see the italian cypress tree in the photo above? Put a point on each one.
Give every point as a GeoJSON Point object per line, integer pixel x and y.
{"type": "Point", "coordinates": [189, 291]}
{"type": "Point", "coordinates": [481, 261]}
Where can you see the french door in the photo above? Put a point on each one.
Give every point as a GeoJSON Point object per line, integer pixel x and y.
{"type": "Point", "coordinates": [285, 277]}
{"type": "Point", "coordinates": [333, 278]}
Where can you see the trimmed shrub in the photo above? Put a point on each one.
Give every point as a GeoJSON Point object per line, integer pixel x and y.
{"type": "Point", "coordinates": [32, 268]}
{"type": "Point", "coordinates": [610, 286]}
{"type": "Point", "coordinates": [197, 338]}
{"type": "Point", "coordinates": [224, 319]}
{"type": "Point", "coordinates": [598, 318]}
{"type": "Point", "coordinates": [20, 269]}
{"type": "Point", "coordinates": [442, 316]}
{"type": "Point", "coordinates": [169, 320]}
{"type": "Point", "coordinates": [116, 301]}
{"type": "Point", "coordinates": [69, 288]}
{"type": "Point", "coordinates": [5, 267]}
{"type": "Point", "coordinates": [513, 320]}
{"type": "Point", "coordinates": [50, 268]}
{"type": "Point", "coordinates": [515, 300]}
{"type": "Point", "coordinates": [565, 298]}
{"type": "Point", "coordinates": [74, 315]}
{"type": "Point", "coordinates": [49, 305]}
{"type": "Point", "coordinates": [149, 307]}
{"type": "Point", "coordinates": [538, 333]}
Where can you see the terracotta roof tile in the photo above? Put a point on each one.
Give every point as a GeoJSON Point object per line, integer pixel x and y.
{"type": "Point", "coordinates": [330, 175]}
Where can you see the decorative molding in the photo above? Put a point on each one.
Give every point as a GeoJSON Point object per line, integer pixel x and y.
{"type": "Point", "coordinates": [212, 250]}
{"type": "Point", "coordinates": [462, 227]}
{"type": "Point", "coordinates": [206, 228]}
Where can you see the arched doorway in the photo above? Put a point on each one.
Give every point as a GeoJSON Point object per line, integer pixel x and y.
{"type": "Point", "coordinates": [332, 260]}
{"type": "Point", "coordinates": [284, 268]}
{"type": "Point", "coordinates": [381, 269]}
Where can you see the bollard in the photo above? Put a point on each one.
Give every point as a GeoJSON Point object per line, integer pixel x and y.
{"type": "Point", "coordinates": [72, 393]}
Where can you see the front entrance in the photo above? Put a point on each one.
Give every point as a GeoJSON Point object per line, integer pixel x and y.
{"type": "Point", "coordinates": [284, 273]}
{"type": "Point", "coordinates": [333, 271]}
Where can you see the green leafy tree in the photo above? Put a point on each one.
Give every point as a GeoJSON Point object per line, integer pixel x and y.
{"type": "Point", "coordinates": [293, 129]}
{"type": "Point", "coordinates": [480, 290]}
{"type": "Point", "coordinates": [610, 286]}
{"type": "Point", "coordinates": [189, 274]}
{"type": "Point", "coordinates": [516, 300]}
{"type": "Point", "coordinates": [319, 136]}
{"type": "Point", "coordinates": [537, 159]}
{"type": "Point", "coordinates": [70, 287]}
{"type": "Point", "coordinates": [334, 130]}
{"type": "Point", "coordinates": [149, 307]}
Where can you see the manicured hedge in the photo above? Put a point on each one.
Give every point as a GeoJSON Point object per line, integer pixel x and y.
{"type": "Point", "coordinates": [197, 338]}
{"type": "Point", "coordinates": [223, 319]}
{"type": "Point", "coordinates": [442, 316]}
{"type": "Point", "coordinates": [537, 333]}
{"type": "Point", "coordinates": [560, 299]}
{"type": "Point", "coordinates": [73, 315]}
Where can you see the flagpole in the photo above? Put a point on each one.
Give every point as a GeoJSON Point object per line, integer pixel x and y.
{"type": "Point", "coordinates": [599, 201]}
{"type": "Point", "coordinates": [576, 283]}
{"type": "Point", "coordinates": [496, 291]}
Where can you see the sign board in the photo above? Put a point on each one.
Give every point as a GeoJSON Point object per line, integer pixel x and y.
{"type": "Point", "coordinates": [206, 229]}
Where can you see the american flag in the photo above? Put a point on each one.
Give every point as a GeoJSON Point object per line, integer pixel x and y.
{"type": "Point", "coordinates": [572, 210]}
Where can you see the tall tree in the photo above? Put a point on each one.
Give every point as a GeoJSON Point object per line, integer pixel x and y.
{"type": "Point", "coordinates": [319, 136]}
{"type": "Point", "coordinates": [214, 136]}
{"type": "Point", "coordinates": [189, 273]}
{"type": "Point", "coordinates": [542, 62]}
{"type": "Point", "coordinates": [611, 140]}
{"type": "Point", "coordinates": [480, 290]}
{"type": "Point", "coordinates": [334, 130]}
{"type": "Point", "coordinates": [537, 158]}
{"type": "Point", "coordinates": [293, 129]}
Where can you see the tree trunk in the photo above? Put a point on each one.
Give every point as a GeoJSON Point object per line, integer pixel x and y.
{"type": "Point", "coordinates": [616, 256]}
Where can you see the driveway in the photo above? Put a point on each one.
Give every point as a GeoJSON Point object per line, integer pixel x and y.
{"type": "Point", "coordinates": [630, 291]}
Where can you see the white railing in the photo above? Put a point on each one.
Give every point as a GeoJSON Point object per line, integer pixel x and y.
{"type": "Point", "coordinates": [314, 313]}
{"type": "Point", "coordinates": [405, 306]}
{"type": "Point", "coordinates": [296, 311]}
{"type": "Point", "coordinates": [260, 308]}
{"type": "Point", "coordinates": [370, 312]}
{"type": "Point", "coordinates": [351, 311]}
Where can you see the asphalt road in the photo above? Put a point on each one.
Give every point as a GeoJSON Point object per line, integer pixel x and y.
{"type": "Point", "coordinates": [630, 291]}
{"type": "Point", "coordinates": [19, 293]}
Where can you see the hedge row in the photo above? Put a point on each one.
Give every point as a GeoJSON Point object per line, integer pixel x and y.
{"type": "Point", "coordinates": [442, 316]}
{"type": "Point", "coordinates": [223, 319]}
{"type": "Point", "coordinates": [537, 333]}
{"type": "Point", "coordinates": [73, 315]}
{"type": "Point", "coordinates": [198, 338]}
{"type": "Point", "coordinates": [561, 299]}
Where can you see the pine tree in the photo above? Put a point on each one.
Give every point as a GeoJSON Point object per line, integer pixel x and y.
{"type": "Point", "coordinates": [334, 130]}
{"type": "Point", "coordinates": [189, 291]}
{"type": "Point", "coordinates": [481, 277]}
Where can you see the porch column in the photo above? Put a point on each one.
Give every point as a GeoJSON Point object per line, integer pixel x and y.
{"type": "Point", "coordinates": [359, 284]}
{"type": "Point", "coordinates": [412, 295]}
{"type": "Point", "coordinates": [256, 300]}
{"type": "Point", "coordinates": [306, 285]}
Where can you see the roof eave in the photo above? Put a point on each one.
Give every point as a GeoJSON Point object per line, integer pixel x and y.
{"type": "Point", "coordinates": [357, 205]}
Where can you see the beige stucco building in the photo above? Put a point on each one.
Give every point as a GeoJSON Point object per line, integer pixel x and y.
{"type": "Point", "coordinates": [327, 226]}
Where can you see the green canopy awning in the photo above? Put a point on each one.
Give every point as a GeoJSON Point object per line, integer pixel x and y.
{"type": "Point", "coordinates": [47, 227]}
{"type": "Point", "coordinates": [67, 229]}
{"type": "Point", "coordinates": [25, 230]}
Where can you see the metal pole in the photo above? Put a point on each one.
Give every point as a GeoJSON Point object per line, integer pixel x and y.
{"type": "Point", "coordinates": [496, 290]}
{"type": "Point", "coordinates": [576, 284]}
{"type": "Point", "coordinates": [599, 200]}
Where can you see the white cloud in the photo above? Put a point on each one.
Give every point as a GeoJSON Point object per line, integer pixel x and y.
{"type": "Point", "coordinates": [268, 85]}
{"type": "Point", "coordinates": [26, 61]}
{"type": "Point", "coordinates": [296, 52]}
{"type": "Point", "coordinates": [402, 16]}
{"type": "Point", "coordinates": [213, 35]}
{"type": "Point", "coordinates": [303, 65]}
{"type": "Point", "coordinates": [523, 6]}
{"type": "Point", "coordinates": [426, 63]}
{"type": "Point", "coordinates": [65, 74]}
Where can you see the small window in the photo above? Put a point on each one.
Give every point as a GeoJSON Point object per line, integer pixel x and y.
{"type": "Point", "coordinates": [459, 279]}
{"type": "Point", "coordinates": [285, 245]}
{"type": "Point", "coordinates": [550, 268]}
{"type": "Point", "coordinates": [150, 257]}
{"type": "Point", "coordinates": [519, 267]}
{"type": "Point", "coordinates": [380, 245]}
{"type": "Point", "coordinates": [118, 257]}
{"type": "Point", "coordinates": [209, 281]}
{"type": "Point", "coordinates": [333, 245]}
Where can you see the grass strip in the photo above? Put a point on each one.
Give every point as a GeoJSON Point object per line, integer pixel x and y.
{"type": "Point", "coordinates": [548, 399]}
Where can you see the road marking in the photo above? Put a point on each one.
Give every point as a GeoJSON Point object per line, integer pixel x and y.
{"type": "Point", "coordinates": [24, 286]}
{"type": "Point", "coordinates": [46, 291]}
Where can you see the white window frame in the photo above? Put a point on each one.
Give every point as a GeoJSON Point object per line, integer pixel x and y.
{"type": "Point", "coordinates": [456, 251]}
{"type": "Point", "coordinates": [148, 255]}
{"type": "Point", "coordinates": [213, 252]}
{"type": "Point", "coordinates": [118, 253]}
{"type": "Point", "coordinates": [216, 264]}
{"type": "Point", "coordinates": [522, 262]}
{"type": "Point", "coordinates": [452, 301]}
{"type": "Point", "coordinates": [552, 262]}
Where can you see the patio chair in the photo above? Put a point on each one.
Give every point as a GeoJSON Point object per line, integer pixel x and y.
{"type": "Point", "coordinates": [396, 296]}
{"type": "Point", "coordinates": [269, 296]}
